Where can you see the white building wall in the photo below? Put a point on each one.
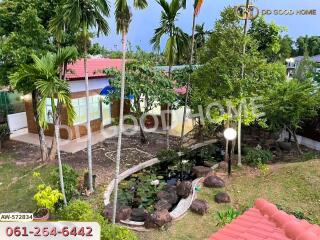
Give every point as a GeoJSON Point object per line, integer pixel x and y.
{"type": "Point", "coordinates": [79, 85]}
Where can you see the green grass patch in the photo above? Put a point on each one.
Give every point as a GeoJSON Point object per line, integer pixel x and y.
{"type": "Point", "coordinates": [17, 194]}
{"type": "Point", "coordinates": [294, 186]}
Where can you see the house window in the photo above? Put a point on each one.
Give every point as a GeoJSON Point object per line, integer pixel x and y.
{"type": "Point", "coordinates": [79, 105]}
{"type": "Point", "coordinates": [49, 117]}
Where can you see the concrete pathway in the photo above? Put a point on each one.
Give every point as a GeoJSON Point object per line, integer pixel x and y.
{"type": "Point", "coordinates": [71, 146]}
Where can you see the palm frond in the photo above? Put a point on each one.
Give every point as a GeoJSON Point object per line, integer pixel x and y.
{"type": "Point", "coordinates": [67, 54]}
{"type": "Point", "coordinates": [140, 4]}
{"type": "Point", "coordinates": [123, 16]}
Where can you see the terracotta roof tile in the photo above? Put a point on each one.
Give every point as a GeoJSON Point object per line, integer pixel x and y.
{"type": "Point", "coordinates": [95, 67]}
{"type": "Point", "coordinates": [265, 222]}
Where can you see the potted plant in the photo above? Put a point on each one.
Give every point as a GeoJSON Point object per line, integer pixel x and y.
{"type": "Point", "coordinates": [46, 197]}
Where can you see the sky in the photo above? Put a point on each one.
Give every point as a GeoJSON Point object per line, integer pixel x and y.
{"type": "Point", "coordinates": [145, 21]}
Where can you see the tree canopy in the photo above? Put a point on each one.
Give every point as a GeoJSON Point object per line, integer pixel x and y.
{"type": "Point", "coordinates": [23, 31]}
{"type": "Point", "coordinates": [148, 87]}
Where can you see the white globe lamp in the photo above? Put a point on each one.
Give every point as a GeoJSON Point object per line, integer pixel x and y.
{"type": "Point", "coordinates": [230, 134]}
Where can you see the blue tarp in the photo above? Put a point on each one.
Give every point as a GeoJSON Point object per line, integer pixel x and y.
{"type": "Point", "coordinates": [109, 89]}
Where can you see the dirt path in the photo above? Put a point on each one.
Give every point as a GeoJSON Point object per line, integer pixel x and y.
{"type": "Point", "coordinates": [104, 154]}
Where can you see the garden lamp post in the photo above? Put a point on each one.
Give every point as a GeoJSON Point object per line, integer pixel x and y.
{"type": "Point", "coordinates": [229, 134]}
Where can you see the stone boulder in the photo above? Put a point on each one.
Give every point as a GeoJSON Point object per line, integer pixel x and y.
{"type": "Point", "coordinates": [184, 189]}
{"type": "Point", "coordinates": [199, 206]}
{"type": "Point", "coordinates": [171, 197]}
{"type": "Point", "coordinates": [157, 219]}
{"type": "Point", "coordinates": [162, 205]}
{"type": "Point", "coordinates": [222, 197]}
{"type": "Point", "coordinates": [201, 171]}
{"type": "Point", "coordinates": [208, 164]}
{"type": "Point", "coordinates": [223, 165]}
{"type": "Point", "coordinates": [123, 212]}
{"type": "Point", "coordinates": [170, 188]}
{"type": "Point", "coordinates": [138, 215]}
{"type": "Point", "coordinates": [213, 182]}
{"type": "Point", "coordinates": [286, 146]}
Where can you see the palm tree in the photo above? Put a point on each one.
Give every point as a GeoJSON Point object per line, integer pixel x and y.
{"type": "Point", "coordinates": [123, 17]}
{"type": "Point", "coordinates": [197, 5]}
{"type": "Point", "coordinates": [45, 72]}
{"type": "Point", "coordinates": [200, 36]}
{"type": "Point", "coordinates": [177, 42]}
{"type": "Point", "coordinates": [84, 15]}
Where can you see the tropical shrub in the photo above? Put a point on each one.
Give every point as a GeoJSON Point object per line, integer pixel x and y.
{"type": "Point", "coordinates": [70, 178]}
{"type": "Point", "coordinates": [257, 156]}
{"type": "Point", "coordinates": [77, 210]}
{"type": "Point", "coordinates": [46, 197]}
{"type": "Point", "coordinates": [114, 232]}
{"type": "Point", "coordinates": [226, 217]}
{"type": "Point", "coordinates": [168, 155]}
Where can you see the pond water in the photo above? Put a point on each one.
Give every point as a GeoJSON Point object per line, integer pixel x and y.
{"type": "Point", "coordinates": [146, 189]}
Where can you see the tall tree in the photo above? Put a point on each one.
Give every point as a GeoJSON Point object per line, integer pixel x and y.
{"type": "Point", "coordinates": [286, 48]}
{"type": "Point", "coordinates": [220, 80]}
{"type": "Point", "coordinates": [197, 5]}
{"type": "Point", "coordinates": [200, 37]}
{"type": "Point", "coordinates": [83, 15]}
{"type": "Point", "coordinates": [45, 73]}
{"type": "Point", "coordinates": [176, 44]}
{"type": "Point", "coordinates": [23, 32]}
{"type": "Point", "coordinates": [268, 36]}
{"type": "Point", "coordinates": [123, 17]}
{"type": "Point", "coordinates": [288, 103]}
{"type": "Point", "coordinates": [148, 86]}
{"type": "Point", "coordinates": [311, 44]}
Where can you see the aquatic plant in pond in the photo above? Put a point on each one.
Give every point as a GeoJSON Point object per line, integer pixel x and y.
{"type": "Point", "coordinates": [140, 190]}
{"type": "Point", "coordinates": [148, 188]}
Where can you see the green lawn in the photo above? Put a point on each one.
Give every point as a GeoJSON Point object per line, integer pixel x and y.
{"type": "Point", "coordinates": [17, 194]}
{"type": "Point", "coordinates": [294, 186]}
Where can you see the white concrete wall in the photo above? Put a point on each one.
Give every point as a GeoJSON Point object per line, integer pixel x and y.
{"type": "Point", "coordinates": [303, 141]}
{"type": "Point", "coordinates": [17, 121]}
{"type": "Point", "coordinates": [79, 85]}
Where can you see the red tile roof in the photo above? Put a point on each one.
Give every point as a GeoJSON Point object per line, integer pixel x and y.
{"type": "Point", "coordinates": [95, 67]}
{"type": "Point", "coordinates": [265, 222]}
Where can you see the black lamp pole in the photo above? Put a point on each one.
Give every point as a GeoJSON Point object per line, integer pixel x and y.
{"type": "Point", "coordinates": [229, 159]}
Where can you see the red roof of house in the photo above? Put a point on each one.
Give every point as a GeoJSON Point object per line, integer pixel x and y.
{"type": "Point", "coordinates": [95, 67]}
{"type": "Point", "coordinates": [265, 222]}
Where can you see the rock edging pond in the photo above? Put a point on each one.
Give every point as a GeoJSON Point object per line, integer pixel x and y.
{"type": "Point", "coordinates": [179, 210]}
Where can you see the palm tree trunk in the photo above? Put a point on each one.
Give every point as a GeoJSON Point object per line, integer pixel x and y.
{"type": "Point", "coordinates": [123, 78]}
{"type": "Point", "coordinates": [89, 135]}
{"type": "Point", "coordinates": [53, 150]}
{"type": "Point", "coordinates": [57, 133]}
{"type": "Point", "coordinates": [42, 140]}
{"type": "Point", "coordinates": [239, 135]}
{"type": "Point", "coordinates": [226, 156]}
{"type": "Point", "coordinates": [168, 117]}
{"type": "Point", "coordinates": [189, 80]}
{"type": "Point", "coordinates": [242, 76]}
